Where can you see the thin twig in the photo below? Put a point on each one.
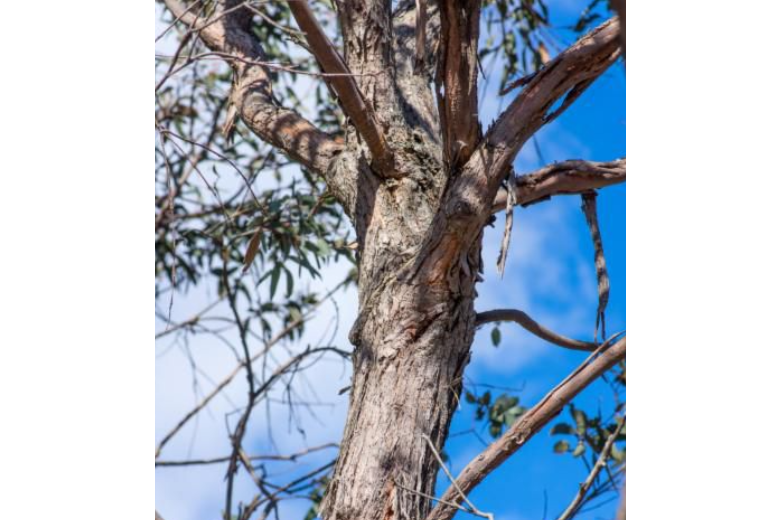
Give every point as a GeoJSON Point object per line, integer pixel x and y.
{"type": "Point", "coordinates": [597, 467]}
{"type": "Point", "coordinates": [200, 462]}
{"type": "Point", "coordinates": [473, 508]}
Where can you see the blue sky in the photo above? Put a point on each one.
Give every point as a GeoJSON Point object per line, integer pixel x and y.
{"type": "Point", "coordinates": [549, 274]}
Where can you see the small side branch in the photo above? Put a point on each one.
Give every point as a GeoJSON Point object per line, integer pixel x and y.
{"type": "Point", "coordinates": [352, 101]}
{"type": "Point", "coordinates": [525, 321]}
{"type": "Point", "coordinates": [607, 356]}
{"type": "Point", "coordinates": [564, 178]}
{"type": "Point", "coordinates": [471, 507]}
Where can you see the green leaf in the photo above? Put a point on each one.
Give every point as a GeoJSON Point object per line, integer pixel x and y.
{"type": "Point", "coordinates": [275, 274]}
{"type": "Point", "coordinates": [290, 283]}
{"type": "Point", "coordinates": [514, 413]}
{"type": "Point", "coordinates": [580, 418]}
{"type": "Point", "coordinates": [561, 447]}
{"type": "Point", "coordinates": [579, 450]}
{"type": "Point", "coordinates": [495, 336]}
{"type": "Point", "coordinates": [562, 429]}
{"type": "Point", "coordinates": [617, 454]}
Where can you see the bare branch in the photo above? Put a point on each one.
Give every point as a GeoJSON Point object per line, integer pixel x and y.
{"type": "Point", "coordinates": [199, 462]}
{"type": "Point", "coordinates": [525, 321]}
{"type": "Point", "coordinates": [564, 178]}
{"type": "Point", "coordinates": [564, 77]}
{"type": "Point", "coordinates": [597, 467]}
{"type": "Point", "coordinates": [228, 32]}
{"type": "Point", "coordinates": [529, 424]}
{"type": "Point", "coordinates": [468, 201]}
{"type": "Point", "coordinates": [352, 101]}
{"type": "Point", "coordinates": [471, 507]}
{"type": "Point", "coordinates": [225, 382]}
{"type": "Point", "coordinates": [457, 73]}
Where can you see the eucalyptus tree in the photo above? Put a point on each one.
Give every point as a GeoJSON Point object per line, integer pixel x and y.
{"type": "Point", "coordinates": [395, 173]}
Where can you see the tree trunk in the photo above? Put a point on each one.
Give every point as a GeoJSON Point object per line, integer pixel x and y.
{"type": "Point", "coordinates": [412, 341]}
{"type": "Point", "coordinates": [405, 388]}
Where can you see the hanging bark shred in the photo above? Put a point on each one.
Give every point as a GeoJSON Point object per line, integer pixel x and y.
{"type": "Point", "coordinates": [510, 214]}
{"type": "Point", "coordinates": [589, 208]}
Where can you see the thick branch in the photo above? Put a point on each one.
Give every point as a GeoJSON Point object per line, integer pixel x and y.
{"type": "Point", "coordinates": [468, 201]}
{"type": "Point", "coordinates": [526, 427]}
{"type": "Point", "coordinates": [352, 101]}
{"type": "Point", "coordinates": [458, 75]}
{"type": "Point", "coordinates": [563, 78]}
{"type": "Point", "coordinates": [564, 178]}
{"type": "Point", "coordinates": [525, 321]}
{"type": "Point", "coordinates": [228, 32]}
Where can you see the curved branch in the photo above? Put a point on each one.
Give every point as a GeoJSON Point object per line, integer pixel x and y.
{"type": "Point", "coordinates": [525, 321]}
{"type": "Point", "coordinates": [528, 425]}
{"type": "Point", "coordinates": [227, 31]}
{"type": "Point", "coordinates": [564, 178]}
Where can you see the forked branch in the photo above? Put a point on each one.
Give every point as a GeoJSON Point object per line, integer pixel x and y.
{"type": "Point", "coordinates": [470, 196]}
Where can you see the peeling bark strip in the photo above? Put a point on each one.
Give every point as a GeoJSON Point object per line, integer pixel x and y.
{"type": "Point", "coordinates": [589, 208]}
{"type": "Point", "coordinates": [510, 217]}
{"type": "Point", "coordinates": [527, 426]}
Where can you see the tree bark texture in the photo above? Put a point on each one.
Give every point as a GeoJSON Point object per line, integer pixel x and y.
{"type": "Point", "coordinates": [418, 216]}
